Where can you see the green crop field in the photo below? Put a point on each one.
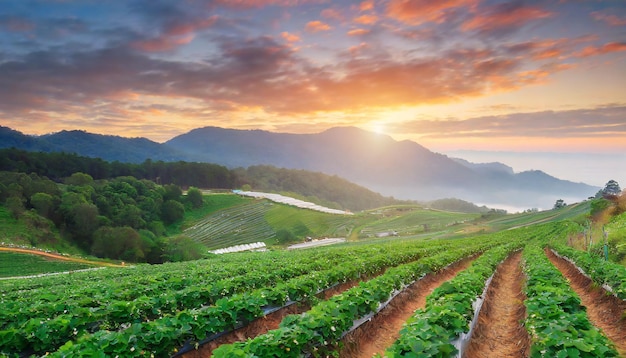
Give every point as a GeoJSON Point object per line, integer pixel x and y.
{"type": "Point", "coordinates": [524, 219]}
{"type": "Point", "coordinates": [160, 310]}
{"type": "Point", "coordinates": [16, 264]}
{"type": "Point", "coordinates": [411, 220]}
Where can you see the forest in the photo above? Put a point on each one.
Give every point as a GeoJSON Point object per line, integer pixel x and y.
{"type": "Point", "coordinates": [123, 218]}
{"type": "Point", "coordinates": [320, 188]}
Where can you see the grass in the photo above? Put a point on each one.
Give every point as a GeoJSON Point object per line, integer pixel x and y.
{"type": "Point", "coordinates": [15, 264]}
{"type": "Point", "coordinates": [13, 231]}
{"type": "Point", "coordinates": [33, 231]}
{"type": "Point", "coordinates": [510, 221]}
{"type": "Point", "coordinates": [411, 220]}
{"type": "Point", "coordinates": [212, 204]}
{"type": "Point", "coordinates": [303, 222]}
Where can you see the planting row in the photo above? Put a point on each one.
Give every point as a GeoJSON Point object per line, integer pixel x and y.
{"type": "Point", "coordinates": [432, 331]}
{"type": "Point", "coordinates": [161, 337]}
{"type": "Point", "coordinates": [145, 313]}
{"type": "Point", "coordinates": [556, 320]}
{"type": "Point", "coordinates": [317, 331]}
{"type": "Point", "coordinates": [604, 273]}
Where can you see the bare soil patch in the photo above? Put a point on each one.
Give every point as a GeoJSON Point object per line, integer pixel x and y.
{"type": "Point", "coordinates": [383, 329]}
{"type": "Point", "coordinates": [499, 332]}
{"type": "Point", "coordinates": [604, 310]}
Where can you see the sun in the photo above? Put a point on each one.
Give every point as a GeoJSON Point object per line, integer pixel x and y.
{"type": "Point", "coordinates": [378, 127]}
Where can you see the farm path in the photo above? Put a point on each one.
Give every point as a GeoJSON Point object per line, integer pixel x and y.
{"type": "Point", "coordinates": [499, 331]}
{"type": "Point", "coordinates": [383, 329]}
{"type": "Point", "coordinates": [59, 257]}
{"type": "Point", "coordinates": [604, 310]}
{"type": "Point", "coordinates": [266, 323]}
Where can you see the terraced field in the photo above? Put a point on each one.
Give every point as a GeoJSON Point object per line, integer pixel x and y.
{"type": "Point", "coordinates": [394, 297]}
{"type": "Point", "coordinates": [240, 224]}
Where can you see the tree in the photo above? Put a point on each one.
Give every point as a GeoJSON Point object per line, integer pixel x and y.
{"type": "Point", "coordinates": [194, 197]}
{"type": "Point", "coordinates": [559, 204]}
{"type": "Point", "coordinates": [16, 206]}
{"type": "Point", "coordinates": [172, 211]}
{"type": "Point", "coordinates": [172, 192]}
{"type": "Point", "coordinates": [43, 203]}
{"type": "Point", "coordinates": [117, 243]}
{"type": "Point", "coordinates": [79, 179]}
{"type": "Point", "coordinates": [183, 248]}
{"type": "Point", "coordinates": [611, 189]}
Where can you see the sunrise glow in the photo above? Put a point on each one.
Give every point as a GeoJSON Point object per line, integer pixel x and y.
{"type": "Point", "coordinates": [488, 75]}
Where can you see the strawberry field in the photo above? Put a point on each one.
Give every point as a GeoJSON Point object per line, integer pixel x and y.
{"type": "Point", "coordinates": [334, 295]}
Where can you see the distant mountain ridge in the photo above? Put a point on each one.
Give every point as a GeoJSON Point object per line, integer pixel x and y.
{"type": "Point", "coordinates": [403, 169]}
{"type": "Point", "coordinates": [107, 147]}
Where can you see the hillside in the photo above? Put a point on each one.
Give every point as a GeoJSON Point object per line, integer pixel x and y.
{"type": "Point", "coordinates": [107, 147]}
{"type": "Point", "coordinates": [402, 169]}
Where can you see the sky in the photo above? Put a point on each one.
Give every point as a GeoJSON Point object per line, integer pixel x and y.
{"type": "Point", "coordinates": [457, 76]}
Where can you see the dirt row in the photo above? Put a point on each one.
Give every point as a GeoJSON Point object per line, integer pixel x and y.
{"type": "Point", "coordinates": [605, 311]}
{"type": "Point", "coordinates": [383, 329]}
{"type": "Point", "coordinates": [499, 330]}
{"type": "Point", "coordinates": [267, 323]}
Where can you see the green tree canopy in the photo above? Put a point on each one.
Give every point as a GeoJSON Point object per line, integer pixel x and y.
{"type": "Point", "coordinates": [195, 198]}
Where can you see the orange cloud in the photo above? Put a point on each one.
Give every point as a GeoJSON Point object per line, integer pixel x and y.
{"type": "Point", "coordinates": [316, 26]}
{"type": "Point", "coordinates": [416, 12]}
{"type": "Point", "coordinates": [366, 19]}
{"type": "Point", "coordinates": [504, 16]}
{"type": "Point", "coordinates": [604, 49]}
{"type": "Point", "coordinates": [610, 19]}
{"type": "Point", "coordinates": [290, 37]}
{"type": "Point", "coordinates": [366, 5]}
{"type": "Point", "coordinates": [332, 14]}
{"type": "Point", "coordinates": [358, 32]}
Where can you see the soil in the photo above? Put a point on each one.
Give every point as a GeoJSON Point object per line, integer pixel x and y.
{"type": "Point", "coordinates": [267, 323]}
{"type": "Point", "coordinates": [383, 329]}
{"type": "Point", "coordinates": [499, 331]}
{"type": "Point", "coordinates": [604, 310]}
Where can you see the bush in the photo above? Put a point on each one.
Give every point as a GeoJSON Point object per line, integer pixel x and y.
{"type": "Point", "coordinates": [172, 211]}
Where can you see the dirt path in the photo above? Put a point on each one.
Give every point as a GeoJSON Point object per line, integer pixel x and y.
{"type": "Point", "coordinates": [378, 334]}
{"type": "Point", "coordinates": [263, 325]}
{"type": "Point", "coordinates": [499, 332]}
{"type": "Point", "coordinates": [59, 257]}
{"type": "Point", "coordinates": [605, 311]}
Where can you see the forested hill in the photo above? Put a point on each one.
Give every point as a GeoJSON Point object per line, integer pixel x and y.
{"type": "Point", "coordinates": [317, 187]}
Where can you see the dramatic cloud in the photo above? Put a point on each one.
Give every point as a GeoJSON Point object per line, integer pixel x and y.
{"type": "Point", "coordinates": [415, 12]}
{"type": "Point", "coordinates": [604, 49]}
{"type": "Point", "coordinates": [608, 18]}
{"type": "Point", "coordinates": [276, 62]}
{"type": "Point", "coordinates": [505, 16]}
{"type": "Point", "coordinates": [290, 37]}
{"type": "Point", "coordinates": [595, 122]}
{"type": "Point", "coordinates": [366, 19]}
{"type": "Point", "coordinates": [316, 26]}
{"type": "Point", "coordinates": [366, 5]}
{"type": "Point", "coordinates": [358, 32]}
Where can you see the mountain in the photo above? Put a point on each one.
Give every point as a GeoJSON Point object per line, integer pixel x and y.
{"type": "Point", "coordinates": [495, 167]}
{"type": "Point", "coordinates": [403, 169]}
{"type": "Point", "coordinates": [107, 147]}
